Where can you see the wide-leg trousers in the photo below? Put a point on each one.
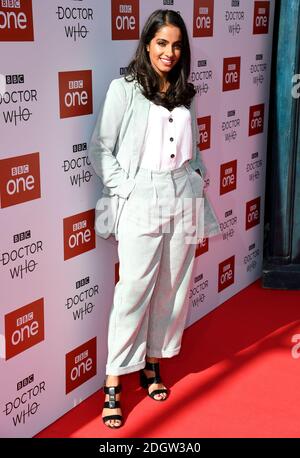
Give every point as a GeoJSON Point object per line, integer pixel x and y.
{"type": "Point", "coordinates": [157, 239]}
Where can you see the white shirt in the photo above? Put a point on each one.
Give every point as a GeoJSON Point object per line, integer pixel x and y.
{"type": "Point", "coordinates": [168, 138]}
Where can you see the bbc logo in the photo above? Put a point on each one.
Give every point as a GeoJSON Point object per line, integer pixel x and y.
{"type": "Point", "coordinates": [22, 383]}
{"type": "Point", "coordinates": [14, 79]}
{"type": "Point", "coordinates": [80, 147]}
{"type": "Point", "coordinates": [76, 84]}
{"type": "Point", "coordinates": [22, 236]}
{"type": "Point", "coordinates": [10, 4]}
{"type": "Point", "coordinates": [82, 282]}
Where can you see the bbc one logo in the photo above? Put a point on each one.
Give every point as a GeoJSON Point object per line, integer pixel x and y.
{"type": "Point", "coordinates": [204, 127]}
{"type": "Point", "coordinates": [203, 21]}
{"type": "Point", "coordinates": [81, 364]}
{"type": "Point", "coordinates": [261, 17]}
{"type": "Point", "coordinates": [202, 247]}
{"type": "Point", "coordinates": [226, 273]}
{"type": "Point", "coordinates": [24, 328]}
{"type": "Point", "coordinates": [20, 179]}
{"type": "Point", "coordinates": [228, 173]}
{"type": "Point", "coordinates": [79, 234]}
{"type": "Point", "coordinates": [231, 73]}
{"type": "Point", "coordinates": [75, 93]}
{"type": "Point", "coordinates": [256, 119]}
{"type": "Point", "coordinates": [252, 213]}
{"type": "Point", "coordinates": [16, 22]}
{"type": "Point", "coordinates": [125, 19]}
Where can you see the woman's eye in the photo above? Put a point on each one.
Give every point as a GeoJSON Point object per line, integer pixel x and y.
{"type": "Point", "coordinates": [160, 43]}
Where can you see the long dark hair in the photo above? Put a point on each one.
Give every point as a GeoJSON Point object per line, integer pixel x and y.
{"type": "Point", "coordinates": [180, 91]}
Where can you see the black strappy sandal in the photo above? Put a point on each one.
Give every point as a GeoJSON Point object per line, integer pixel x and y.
{"type": "Point", "coordinates": [112, 404]}
{"type": "Point", "coordinates": [146, 381]}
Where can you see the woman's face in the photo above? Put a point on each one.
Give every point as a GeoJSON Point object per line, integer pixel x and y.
{"type": "Point", "coordinates": [165, 49]}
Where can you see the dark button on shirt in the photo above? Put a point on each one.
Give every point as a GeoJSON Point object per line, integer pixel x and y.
{"type": "Point", "coordinates": [171, 119]}
{"type": "Point", "coordinates": [172, 155]}
{"type": "Point", "coordinates": [171, 139]}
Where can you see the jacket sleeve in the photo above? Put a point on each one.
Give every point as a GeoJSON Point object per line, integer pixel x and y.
{"type": "Point", "coordinates": [103, 141]}
{"type": "Point", "coordinates": [197, 162]}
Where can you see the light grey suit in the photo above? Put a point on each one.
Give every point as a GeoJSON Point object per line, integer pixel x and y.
{"type": "Point", "coordinates": [115, 148]}
{"type": "Point", "coordinates": [151, 297]}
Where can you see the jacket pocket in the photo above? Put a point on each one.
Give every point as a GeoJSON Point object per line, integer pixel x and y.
{"type": "Point", "coordinates": [197, 183]}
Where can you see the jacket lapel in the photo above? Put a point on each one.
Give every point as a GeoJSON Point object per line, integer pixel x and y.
{"type": "Point", "coordinates": [140, 120]}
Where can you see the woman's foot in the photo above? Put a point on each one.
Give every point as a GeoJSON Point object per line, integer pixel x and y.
{"type": "Point", "coordinates": [154, 386]}
{"type": "Point", "coordinates": [112, 380]}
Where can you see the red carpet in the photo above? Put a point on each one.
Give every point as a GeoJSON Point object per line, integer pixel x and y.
{"type": "Point", "coordinates": [235, 377]}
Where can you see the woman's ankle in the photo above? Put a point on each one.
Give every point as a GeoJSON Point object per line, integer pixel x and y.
{"type": "Point", "coordinates": [112, 380]}
{"type": "Point", "coordinates": [151, 360]}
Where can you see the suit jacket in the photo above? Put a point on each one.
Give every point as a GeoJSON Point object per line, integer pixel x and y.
{"type": "Point", "coordinates": [115, 147]}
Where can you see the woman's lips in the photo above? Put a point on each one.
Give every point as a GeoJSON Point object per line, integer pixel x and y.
{"type": "Point", "coordinates": [166, 61]}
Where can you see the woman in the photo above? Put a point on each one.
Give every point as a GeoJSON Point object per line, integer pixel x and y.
{"type": "Point", "coordinates": [144, 149]}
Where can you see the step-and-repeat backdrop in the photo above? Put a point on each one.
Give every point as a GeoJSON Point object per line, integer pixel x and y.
{"type": "Point", "coordinates": [57, 278]}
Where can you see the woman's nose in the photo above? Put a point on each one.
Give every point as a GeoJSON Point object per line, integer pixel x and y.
{"type": "Point", "coordinates": [169, 51]}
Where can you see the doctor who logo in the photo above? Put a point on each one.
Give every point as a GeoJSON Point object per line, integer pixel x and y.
{"type": "Point", "coordinates": [231, 126]}
{"type": "Point", "coordinates": [229, 225]}
{"type": "Point", "coordinates": [16, 23]}
{"type": "Point", "coordinates": [75, 20]}
{"type": "Point", "coordinates": [234, 17]}
{"type": "Point", "coordinates": [251, 259]}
